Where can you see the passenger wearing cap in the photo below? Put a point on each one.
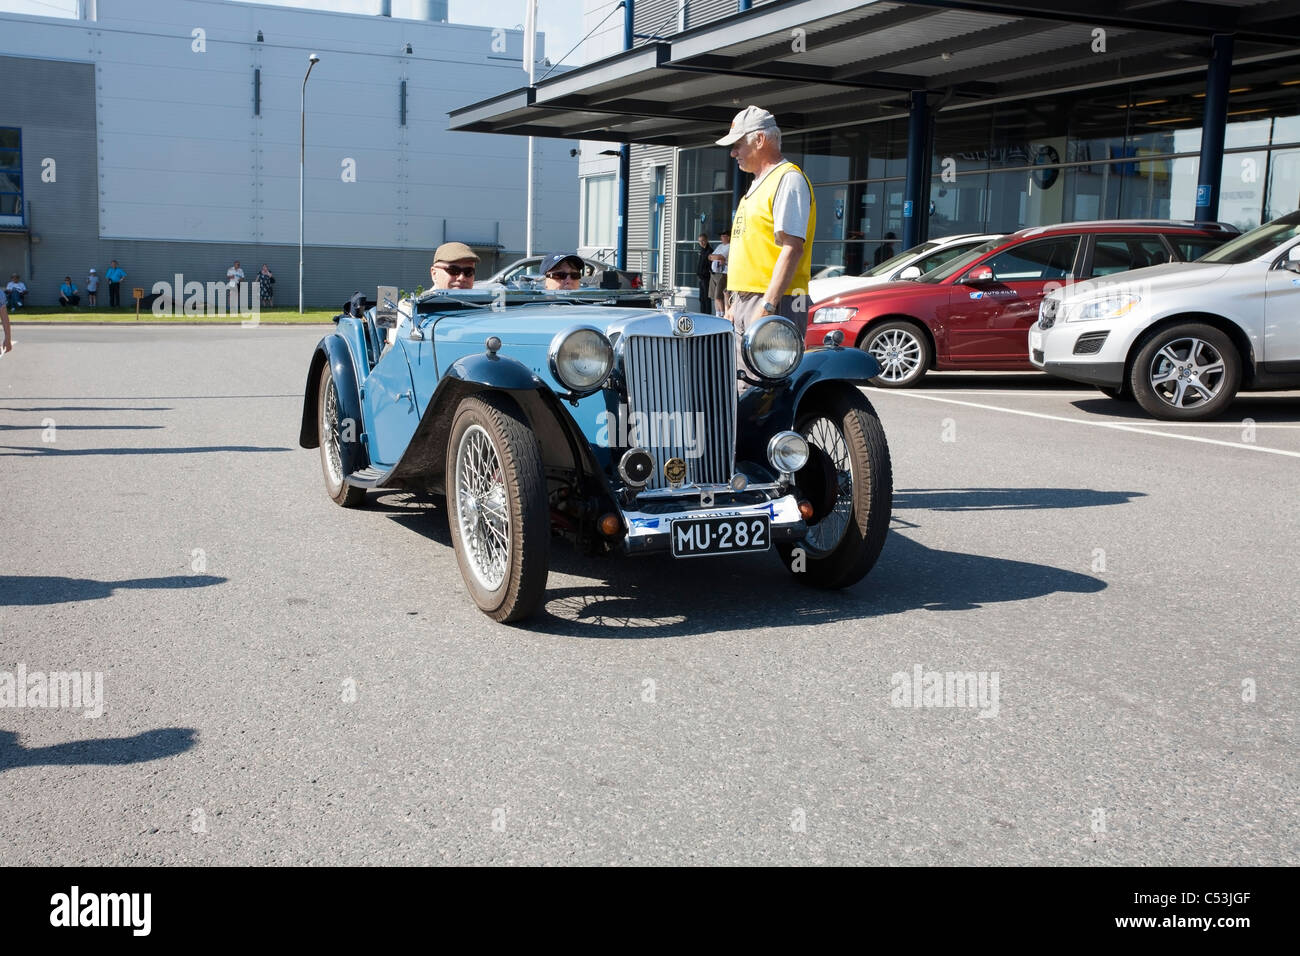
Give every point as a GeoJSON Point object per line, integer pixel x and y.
{"type": "Point", "coordinates": [453, 267]}
{"type": "Point", "coordinates": [92, 286]}
{"type": "Point", "coordinates": [769, 264]}
{"type": "Point", "coordinates": [562, 270]}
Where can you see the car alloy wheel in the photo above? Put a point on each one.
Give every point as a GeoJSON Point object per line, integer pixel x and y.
{"type": "Point", "coordinates": [902, 351]}
{"type": "Point", "coordinates": [497, 507]}
{"type": "Point", "coordinates": [1186, 372]}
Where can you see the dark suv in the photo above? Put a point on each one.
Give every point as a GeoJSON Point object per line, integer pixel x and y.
{"type": "Point", "coordinates": [974, 313]}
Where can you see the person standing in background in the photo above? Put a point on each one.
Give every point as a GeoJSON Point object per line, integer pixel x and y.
{"type": "Point", "coordinates": [704, 270]}
{"type": "Point", "coordinates": [266, 287]}
{"type": "Point", "coordinates": [92, 287]}
{"type": "Point", "coordinates": [114, 275]}
{"type": "Point", "coordinates": [718, 281]}
{"type": "Point", "coordinates": [770, 261]}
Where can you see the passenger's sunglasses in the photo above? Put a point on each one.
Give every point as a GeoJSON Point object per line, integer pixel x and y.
{"type": "Point", "coordinates": [564, 275]}
{"type": "Point", "coordinates": [457, 270]}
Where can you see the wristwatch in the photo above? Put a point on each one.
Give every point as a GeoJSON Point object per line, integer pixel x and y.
{"type": "Point", "coordinates": [769, 308]}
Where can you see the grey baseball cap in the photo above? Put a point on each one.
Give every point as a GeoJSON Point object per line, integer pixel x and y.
{"type": "Point", "coordinates": [752, 119]}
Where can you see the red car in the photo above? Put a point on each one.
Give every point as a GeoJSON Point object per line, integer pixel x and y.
{"type": "Point", "coordinates": [974, 313]}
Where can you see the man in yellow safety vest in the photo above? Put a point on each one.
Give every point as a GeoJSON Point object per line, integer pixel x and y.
{"type": "Point", "coordinates": [770, 262]}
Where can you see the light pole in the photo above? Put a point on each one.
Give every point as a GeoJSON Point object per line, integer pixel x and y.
{"type": "Point", "coordinates": [302, 154]}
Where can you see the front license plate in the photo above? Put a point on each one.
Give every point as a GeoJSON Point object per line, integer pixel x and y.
{"type": "Point", "coordinates": [694, 537]}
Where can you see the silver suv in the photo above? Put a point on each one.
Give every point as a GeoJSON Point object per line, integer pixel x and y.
{"type": "Point", "coordinates": [1184, 337]}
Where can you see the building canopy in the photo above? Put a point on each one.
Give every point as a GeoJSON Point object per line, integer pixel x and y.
{"type": "Point", "coordinates": [826, 63]}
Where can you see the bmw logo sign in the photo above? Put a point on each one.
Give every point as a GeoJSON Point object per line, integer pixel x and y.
{"type": "Point", "coordinates": [685, 325]}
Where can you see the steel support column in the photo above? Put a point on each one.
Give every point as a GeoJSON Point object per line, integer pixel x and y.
{"type": "Point", "coordinates": [624, 151]}
{"type": "Point", "coordinates": [916, 191]}
{"type": "Point", "coordinates": [1213, 128]}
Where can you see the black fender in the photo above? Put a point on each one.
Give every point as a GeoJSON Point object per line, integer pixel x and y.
{"type": "Point", "coordinates": [423, 464]}
{"type": "Point", "coordinates": [334, 350]}
{"type": "Point", "coordinates": [763, 412]}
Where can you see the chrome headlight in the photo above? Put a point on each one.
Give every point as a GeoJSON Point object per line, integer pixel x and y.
{"type": "Point", "coordinates": [836, 313]}
{"type": "Point", "coordinates": [581, 359]}
{"type": "Point", "coordinates": [773, 347]}
{"type": "Point", "coordinates": [1109, 307]}
{"type": "Point", "coordinates": [788, 452]}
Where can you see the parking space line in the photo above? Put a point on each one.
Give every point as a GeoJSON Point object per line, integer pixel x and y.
{"type": "Point", "coordinates": [1080, 421]}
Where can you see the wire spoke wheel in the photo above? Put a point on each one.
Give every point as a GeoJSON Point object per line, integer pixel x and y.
{"type": "Point", "coordinates": [331, 437]}
{"type": "Point", "coordinates": [480, 493]}
{"type": "Point", "coordinates": [827, 533]}
{"type": "Point", "coordinates": [496, 500]}
{"type": "Point", "coordinates": [850, 483]}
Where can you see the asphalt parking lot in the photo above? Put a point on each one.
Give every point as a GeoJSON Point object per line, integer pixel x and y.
{"type": "Point", "coordinates": [288, 682]}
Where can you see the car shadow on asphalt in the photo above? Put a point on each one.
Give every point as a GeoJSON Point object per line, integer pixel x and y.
{"type": "Point", "coordinates": [29, 590]}
{"type": "Point", "coordinates": [1007, 499]}
{"type": "Point", "coordinates": [656, 596]}
{"type": "Point", "coordinates": [110, 751]}
{"type": "Point", "coordinates": [1262, 409]}
{"type": "Point", "coordinates": [37, 451]}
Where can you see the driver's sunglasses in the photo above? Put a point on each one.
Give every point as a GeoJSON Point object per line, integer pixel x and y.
{"type": "Point", "coordinates": [457, 270]}
{"type": "Point", "coordinates": [564, 275]}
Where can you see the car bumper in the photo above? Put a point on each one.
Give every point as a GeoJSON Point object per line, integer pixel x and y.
{"type": "Point", "coordinates": [651, 532]}
{"type": "Point", "coordinates": [1091, 352]}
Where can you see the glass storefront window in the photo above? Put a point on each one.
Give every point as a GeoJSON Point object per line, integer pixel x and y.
{"type": "Point", "coordinates": [960, 206]}
{"type": "Point", "coordinates": [599, 222]}
{"type": "Point", "coordinates": [1283, 183]}
{"type": "Point", "coordinates": [1241, 189]}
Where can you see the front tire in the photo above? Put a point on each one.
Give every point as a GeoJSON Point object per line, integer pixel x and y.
{"type": "Point", "coordinates": [330, 438]}
{"type": "Point", "coordinates": [1186, 372]}
{"type": "Point", "coordinates": [903, 352]}
{"type": "Point", "coordinates": [849, 479]}
{"type": "Point", "coordinates": [496, 506]}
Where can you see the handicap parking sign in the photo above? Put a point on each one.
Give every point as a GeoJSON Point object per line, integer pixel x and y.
{"type": "Point", "coordinates": [1202, 196]}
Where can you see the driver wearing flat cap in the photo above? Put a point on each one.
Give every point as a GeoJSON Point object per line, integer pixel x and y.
{"type": "Point", "coordinates": [453, 266]}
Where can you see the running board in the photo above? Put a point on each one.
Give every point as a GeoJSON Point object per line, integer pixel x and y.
{"type": "Point", "coordinates": [368, 478]}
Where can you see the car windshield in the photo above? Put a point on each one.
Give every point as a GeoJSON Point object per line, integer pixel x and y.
{"type": "Point", "coordinates": [962, 261]}
{"type": "Point", "coordinates": [892, 263]}
{"type": "Point", "coordinates": [1257, 242]}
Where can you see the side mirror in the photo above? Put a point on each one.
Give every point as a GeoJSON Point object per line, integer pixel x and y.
{"type": "Point", "coordinates": [980, 274]}
{"type": "Point", "coordinates": [1292, 263]}
{"type": "Point", "coordinates": [911, 272]}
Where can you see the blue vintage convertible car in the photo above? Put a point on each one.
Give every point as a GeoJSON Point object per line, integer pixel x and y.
{"type": "Point", "coordinates": [621, 427]}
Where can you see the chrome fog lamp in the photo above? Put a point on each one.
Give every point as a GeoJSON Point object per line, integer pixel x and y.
{"type": "Point", "coordinates": [773, 347]}
{"type": "Point", "coordinates": [788, 452]}
{"type": "Point", "coordinates": [636, 467]}
{"type": "Point", "coordinates": [739, 482]}
{"type": "Point", "coordinates": [581, 359]}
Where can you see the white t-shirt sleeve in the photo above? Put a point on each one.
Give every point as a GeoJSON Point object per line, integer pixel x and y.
{"type": "Point", "coordinates": [792, 205]}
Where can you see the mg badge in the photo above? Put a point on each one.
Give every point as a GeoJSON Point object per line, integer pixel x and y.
{"type": "Point", "coordinates": [685, 325]}
{"type": "Point", "coordinates": [675, 471]}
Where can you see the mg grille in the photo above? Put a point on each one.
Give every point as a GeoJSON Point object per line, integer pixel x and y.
{"type": "Point", "coordinates": [681, 398]}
